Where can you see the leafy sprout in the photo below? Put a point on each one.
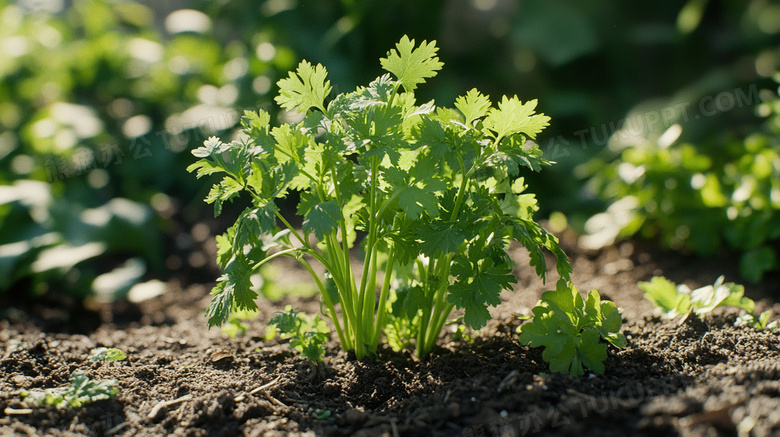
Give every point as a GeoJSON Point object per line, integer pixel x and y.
{"type": "Point", "coordinates": [678, 300]}
{"type": "Point", "coordinates": [307, 334]}
{"type": "Point", "coordinates": [81, 391]}
{"type": "Point", "coordinates": [107, 354]}
{"type": "Point", "coordinates": [571, 330]}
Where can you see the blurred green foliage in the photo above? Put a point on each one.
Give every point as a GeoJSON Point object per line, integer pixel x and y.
{"type": "Point", "coordinates": [699, 170]}
{"type": "Point", "coordinates": [98, 100]}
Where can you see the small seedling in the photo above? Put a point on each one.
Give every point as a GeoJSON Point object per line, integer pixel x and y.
{"type": "Point", "coordinates": [81, 391]}
{"type": "Point", "coordinates": [237, 325]}
{"type": "Point", "coordinates": [570, 329]}
{"type": "Point", "coordinates": [307, 333]}
{"type": "Point", "coordinates": [107, 354]}
{"type": "Point", "coordinates": [678, 300]}
{"type": "Point", "coordinates": [321, 414]}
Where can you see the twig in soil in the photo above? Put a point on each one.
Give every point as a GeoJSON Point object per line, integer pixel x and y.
{"type": "Point", "coordinates": [257, 390]}
{"type": "Point", "coordinates": [508, 380]}
{"type": "Point", "coordinates": [393, 427]}
{"type": "Point", "coordinates": [447, 396]}
{"type": "Point", "coordinates": [117, 428]}
{"type": "Point", "coordinates": [274, 401]}
{"type": "Point", "coordinates": [17, 411]}
{"type": "Point", "coordinates": [162, 404]}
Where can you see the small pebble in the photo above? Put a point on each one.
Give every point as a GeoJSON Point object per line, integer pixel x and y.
{"type": "Point", "coordinates": [222, 357]}
{"type": "Point", "coordinates": [355, 417]}
{"type": "Point", "coordinates": [21, 381]}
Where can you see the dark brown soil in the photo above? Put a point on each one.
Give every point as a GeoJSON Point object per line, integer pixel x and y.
{"type": "Point", "coordinates": [705, 378]}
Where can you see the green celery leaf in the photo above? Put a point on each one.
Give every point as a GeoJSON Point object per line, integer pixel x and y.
{"type": "Point", "coordinates": [430, 133]}
{"type": "Point", "coordinates": [439, 237]}
{"type": "Point", "coordinates": [233, 291]}
{"type": "Point", "coordinates": [707, 298]}
{"type": "Point", "coordinates": [591, 351]}
{"type": "Point", "coordinates": [225, 246]}
{"type": "Point", "coordinates": [611, 320]}
{"type": "Point", "coordinates": [566, 359]}
{"type": "Point", "coordinates": [83, 390]}
{"type": "Point", "coordinates": [663, 294]}
{"type": "Point", "coordinates": [304, 89]}
{"type": "Point", "coordinates": [565, 302]}
{"type": "Point", "coordinates": [205, 168]}
{"type": "Point", "coordinates": [256, 127]}
{"type": "Point", "coordinates": [211, 147]}
{"type": "Point", "coordinates": [514, 117]}
{"type": "Point", "coordinates": [523, 153]}
{"type": "Point", "coordinates": [412, 66]}
{"type": "Point", "coordinates": [543, 331]}
{"type": "Point", "coordinates": [322, 219]}
{"type": "Point", "coordinates": [395, 177]}
{"type": "Point", "coordinates": [218, 311]}
{"type": "Point", "coordinates": [252, 224]}
{"type": "Point", "coordinates": [522, 206]}
{"type": "Point", "coordinates": [291, 142]}
{"type": "Point", "coordinates": [476, 288]}
{"type": "Point", "coordinates": [414, 300]}
{"type": "Point", "coordinates": [476, 313]}
{"type": "Point", "coordinates": [227, 189]}
{"type": "Point", "coordinates": [415, 200]}
{"type": "Point", "coordinates": [473, 106]}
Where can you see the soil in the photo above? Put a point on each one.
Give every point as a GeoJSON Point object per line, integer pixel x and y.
{"type": "Point", "coordinates": [698, 378]}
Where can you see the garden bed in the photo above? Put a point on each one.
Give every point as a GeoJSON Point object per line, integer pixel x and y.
{"type": "Point", "coordinates": [695, 378]}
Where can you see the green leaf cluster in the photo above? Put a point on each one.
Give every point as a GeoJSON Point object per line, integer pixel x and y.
{"type": "Point", "coordinates": [436, 194]}
{"type": "Point", "coordinates": [679, 300]}
{"type": "Point", "coordinates": [571, 329]}
{"type": "Point", "coordinates": [81, 391]}
{"type": "Point", "coordinates": [307, 333]}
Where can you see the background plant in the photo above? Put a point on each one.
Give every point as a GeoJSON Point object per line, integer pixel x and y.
{"type": "Point", "coordinates": [719, 193]}
{"type": "Point", "coordinates": [435, 192]}
{"type": "Point", "coordinates": [81, 391]}
{"type": "Point", "coordinates": [679, 300]}
{"type": "Point", "coordinates": [703, 179]}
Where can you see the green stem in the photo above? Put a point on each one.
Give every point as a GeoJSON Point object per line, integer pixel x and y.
{"type": "Point", "coordinates": [461, 191]}
{"type": "Point", "coordinates": [292, 230]}
{"type": "Point", "coordinates": [367, 291]}
{"type": "Point", "coordinates": [439, 322]}
{"type": "Point", "coordinates": [369, 301]}
{"type": "Point", "coordinates": [422, 333]}
{"type": "Point", "coordinates": [433, 320]}
{"type": "Point", "coordinates": [382, 311]}
{"type": "Point", "coordinates": [328, 303]}
{"type": "Point", "coordinates": [341, 278]}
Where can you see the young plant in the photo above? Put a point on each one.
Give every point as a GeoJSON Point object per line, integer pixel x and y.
{"type": "Point", "coordinates": [237, 323]}
{"type": "Point", "coordinates": [435, 194]}
{"type": "Point", "coordinates": [81, 390]}
{"type": "Point", "coordinates": [678, 300]}
{"type": "Point", "coordinates": [308, 333]}
{"type": "Point", "coordinates": [570, 329]}
{"type": "Point", "coordinates": [107, 354]}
